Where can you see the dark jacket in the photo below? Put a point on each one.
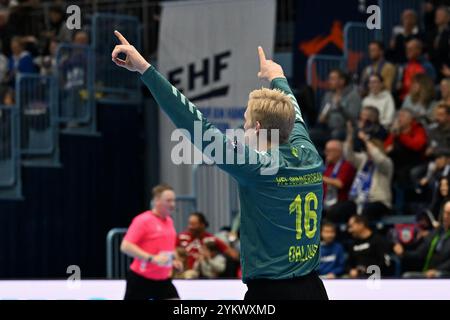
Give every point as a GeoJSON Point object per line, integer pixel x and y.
{"type": "Point", "coordinates": [374, 250]}
{"type": "Point", "coordinates": [439, 257]}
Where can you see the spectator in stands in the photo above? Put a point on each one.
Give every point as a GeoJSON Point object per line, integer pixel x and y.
{"type": "Point", "coordinates": [81, 37]}
{"type": "Point", "coordinates": [23, 18]}
{"type": "Point", "coordinates": [47, 64]}
{"type": "Point", "coordinates": [405, 145]}
{"type": "Point", "coordinates": [433, 256]}
{"type": "Point", "coordinates": [339, 105]}
{"type": "Point", "coordinates": [381, 99]}
{"type": "Point", "coordinates": [6, 32]}
{"type": "Point", "coordinates": [429, 181]}
{"type": "Point", "coordinates": [332, 254]}
{"type": "Point", "coordinates": [406, 133]}
{"type": "Point", "coordinates": [369, 123]}
{"type": "Point", "coordinates": [444, 91]}
{"type": "Point", "coordinates": [379, 66]}
{"type": "Point", "coordinates": [367, 249]}
{"type": "Point", "coordinates": [420, 96]}
{"type": "Point", "coordinates": [437, 206]}
{"type": "Point", "coordinates": [438, 40]}
{"type": "Point", "coordinates": [58, 28]}
{"type": "Point", "coordinates": [439, 130]}
{"type": "Point", "coordinates": [210, 263]}
{"type": "Point", "coordinates": [370, 193]}
{"type": "Point", "coordinates": [20, 61]}
{"type": "Point", "coordinates": [409, 29]}
{"type": "Point", "coordinates": [437, 180]}
{"type": "Point", "coordinates": [3, 64]}
{"type": "Point", "coordinates": [416, 64]}
{"type": "Point", "coordinates": [407, 137]}
{"type": "Point", "coordinates": [429, 15]}
{"type": "Point", "coordinates": [337, 180]}
{"type": "Point", "coordinates": [196, 236]}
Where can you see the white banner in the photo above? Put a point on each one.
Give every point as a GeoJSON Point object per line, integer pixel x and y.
{"type": "Point", "coordinates": [350, 289]}
{"type": "Point", "coordinates": [208, 50]}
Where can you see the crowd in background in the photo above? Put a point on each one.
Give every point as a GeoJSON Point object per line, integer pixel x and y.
{"type": "Point", "coordinates": [28, 41]}
{"type": "Point", "coordinates": [385, 139]}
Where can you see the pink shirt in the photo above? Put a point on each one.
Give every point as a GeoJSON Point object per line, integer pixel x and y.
{"type": "Point", "coordinates": [153, 235]}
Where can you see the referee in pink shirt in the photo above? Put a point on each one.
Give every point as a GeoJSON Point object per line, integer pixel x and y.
{"type": "Point", "coordinates": [150, 240]}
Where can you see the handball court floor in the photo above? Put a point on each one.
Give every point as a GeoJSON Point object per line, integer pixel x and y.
{"type": "Point", "coordinates": [385, 289]}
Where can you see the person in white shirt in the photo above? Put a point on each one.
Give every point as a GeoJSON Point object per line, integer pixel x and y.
{"type": "Point", "coordinates": [381, 99]}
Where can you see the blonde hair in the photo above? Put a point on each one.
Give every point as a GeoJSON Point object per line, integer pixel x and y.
{"type": "Point", "coordinates": [274, 110]}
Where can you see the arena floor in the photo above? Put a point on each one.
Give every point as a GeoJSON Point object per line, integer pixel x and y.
{"type": "Point", "coordinates": [223, 290]}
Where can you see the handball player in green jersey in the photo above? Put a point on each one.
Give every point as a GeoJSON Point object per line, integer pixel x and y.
{"type": "Point", "coordinates": [280, 182]}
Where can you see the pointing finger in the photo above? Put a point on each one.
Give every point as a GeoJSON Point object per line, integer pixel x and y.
{"type": "Point", "coordinates": [262, 56]}
{"type": "Point", "coordinates": [121, 37]}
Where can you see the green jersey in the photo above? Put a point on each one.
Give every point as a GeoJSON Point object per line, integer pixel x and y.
{"type": "Point", "coordinates": [281, 211]}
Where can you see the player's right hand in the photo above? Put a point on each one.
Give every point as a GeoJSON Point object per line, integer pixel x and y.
{"type": "Point", "coordinates": [134, 61]}
{"type": "Point", "coordinates": [267, 68]}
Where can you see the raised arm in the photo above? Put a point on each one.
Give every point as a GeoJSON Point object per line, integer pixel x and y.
{"type": "Point", "coordinates": [273, 72]}
{"type": "Point", "coordinates": [185, 115]}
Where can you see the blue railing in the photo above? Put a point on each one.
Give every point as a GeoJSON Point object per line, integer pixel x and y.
{"type": "Point", "coordinates": [356, 41]}
{"type": "Point", "coordinates": [75, 77]}
{"type": "Point", "coordinates": [115, 84]}
{"type": "Point", "coordinates": [10, 174]}
{"type": "Point", "coordinates": [36, 100]}
{"type": "Point", "coordinates": [318, 68]}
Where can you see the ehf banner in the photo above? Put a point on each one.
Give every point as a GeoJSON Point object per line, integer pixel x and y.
{"type": "Point", "coordinates": [208, 50]}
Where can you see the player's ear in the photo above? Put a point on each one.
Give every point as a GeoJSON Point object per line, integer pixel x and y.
{"type": "Point", "coordinates": [257, 126]}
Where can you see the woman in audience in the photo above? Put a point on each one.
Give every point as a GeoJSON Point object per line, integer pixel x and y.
{"type": "Point", "coordinates": [420, 97]}
{"type": "Point", "coordinates": [444, 89]}
{"type": "Point", "coordinates": [381, 99]}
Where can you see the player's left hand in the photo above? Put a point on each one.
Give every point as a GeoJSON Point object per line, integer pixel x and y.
{"type": "Point", "coordinates": [267, 68]}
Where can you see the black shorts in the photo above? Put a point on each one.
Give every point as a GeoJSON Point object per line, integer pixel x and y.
{"type": "Point", "coordinates": [308, 287]}
{"type": "Point", "coordinates": [140, 288]}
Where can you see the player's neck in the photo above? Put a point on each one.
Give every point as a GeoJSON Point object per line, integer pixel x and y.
{"type": "Point", "coordinates": [262, 147]}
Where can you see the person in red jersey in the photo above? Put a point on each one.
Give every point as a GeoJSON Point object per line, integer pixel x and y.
{"type": "Point", "coordinates": [196, 236]}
